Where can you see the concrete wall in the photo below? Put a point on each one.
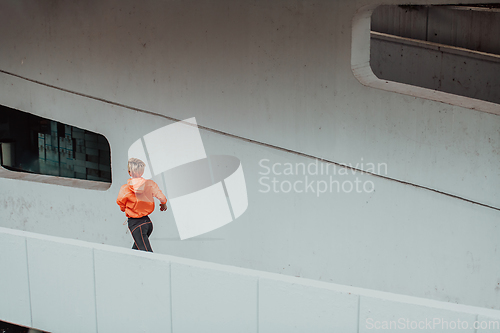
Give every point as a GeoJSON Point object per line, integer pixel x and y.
{"type": "Point", "coordinates": [271, 82]}
{"type": "Point", "coordinates": [74, 286]}
{"type": "Point", "coordinates": [472, 28]}
{"type": "Point", "coordinates": [435, 66]}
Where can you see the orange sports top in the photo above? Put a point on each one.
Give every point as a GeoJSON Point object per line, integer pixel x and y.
{"type": "Point", "coordinates": [136, 197]}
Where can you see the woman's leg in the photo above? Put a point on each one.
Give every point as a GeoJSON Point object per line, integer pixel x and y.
{"type": "Point", "coordinates": [140, 230]}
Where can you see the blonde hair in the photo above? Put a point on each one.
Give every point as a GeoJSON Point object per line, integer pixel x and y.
{"type": "Point", "coordinates": [136, 167]}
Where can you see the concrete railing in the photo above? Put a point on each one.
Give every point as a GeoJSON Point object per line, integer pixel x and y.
{"type": "Point", "coordinates": [64, 285]}
{"type": "Point", "coordinates": [435, 66]}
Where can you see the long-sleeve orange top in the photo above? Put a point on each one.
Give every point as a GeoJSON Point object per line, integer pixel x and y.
{"type": "Point", "coordinates": [136, 198]}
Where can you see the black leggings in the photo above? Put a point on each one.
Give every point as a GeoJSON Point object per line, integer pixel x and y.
{"type": "Point", "coordinates": [141, 228]}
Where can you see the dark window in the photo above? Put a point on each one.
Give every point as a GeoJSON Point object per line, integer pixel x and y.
{"type": "Point", "coordinates": [453, 49]}
{"type": "Point", "coordinates": [38, 145]}
{"type": "Point", "coordinates": [11, 328]}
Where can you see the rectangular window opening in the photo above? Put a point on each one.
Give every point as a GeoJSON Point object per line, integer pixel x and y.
{"type": "Point", "coordinates": [449, 48]}
{"type": "Point", "coordinates": [35, 145]}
